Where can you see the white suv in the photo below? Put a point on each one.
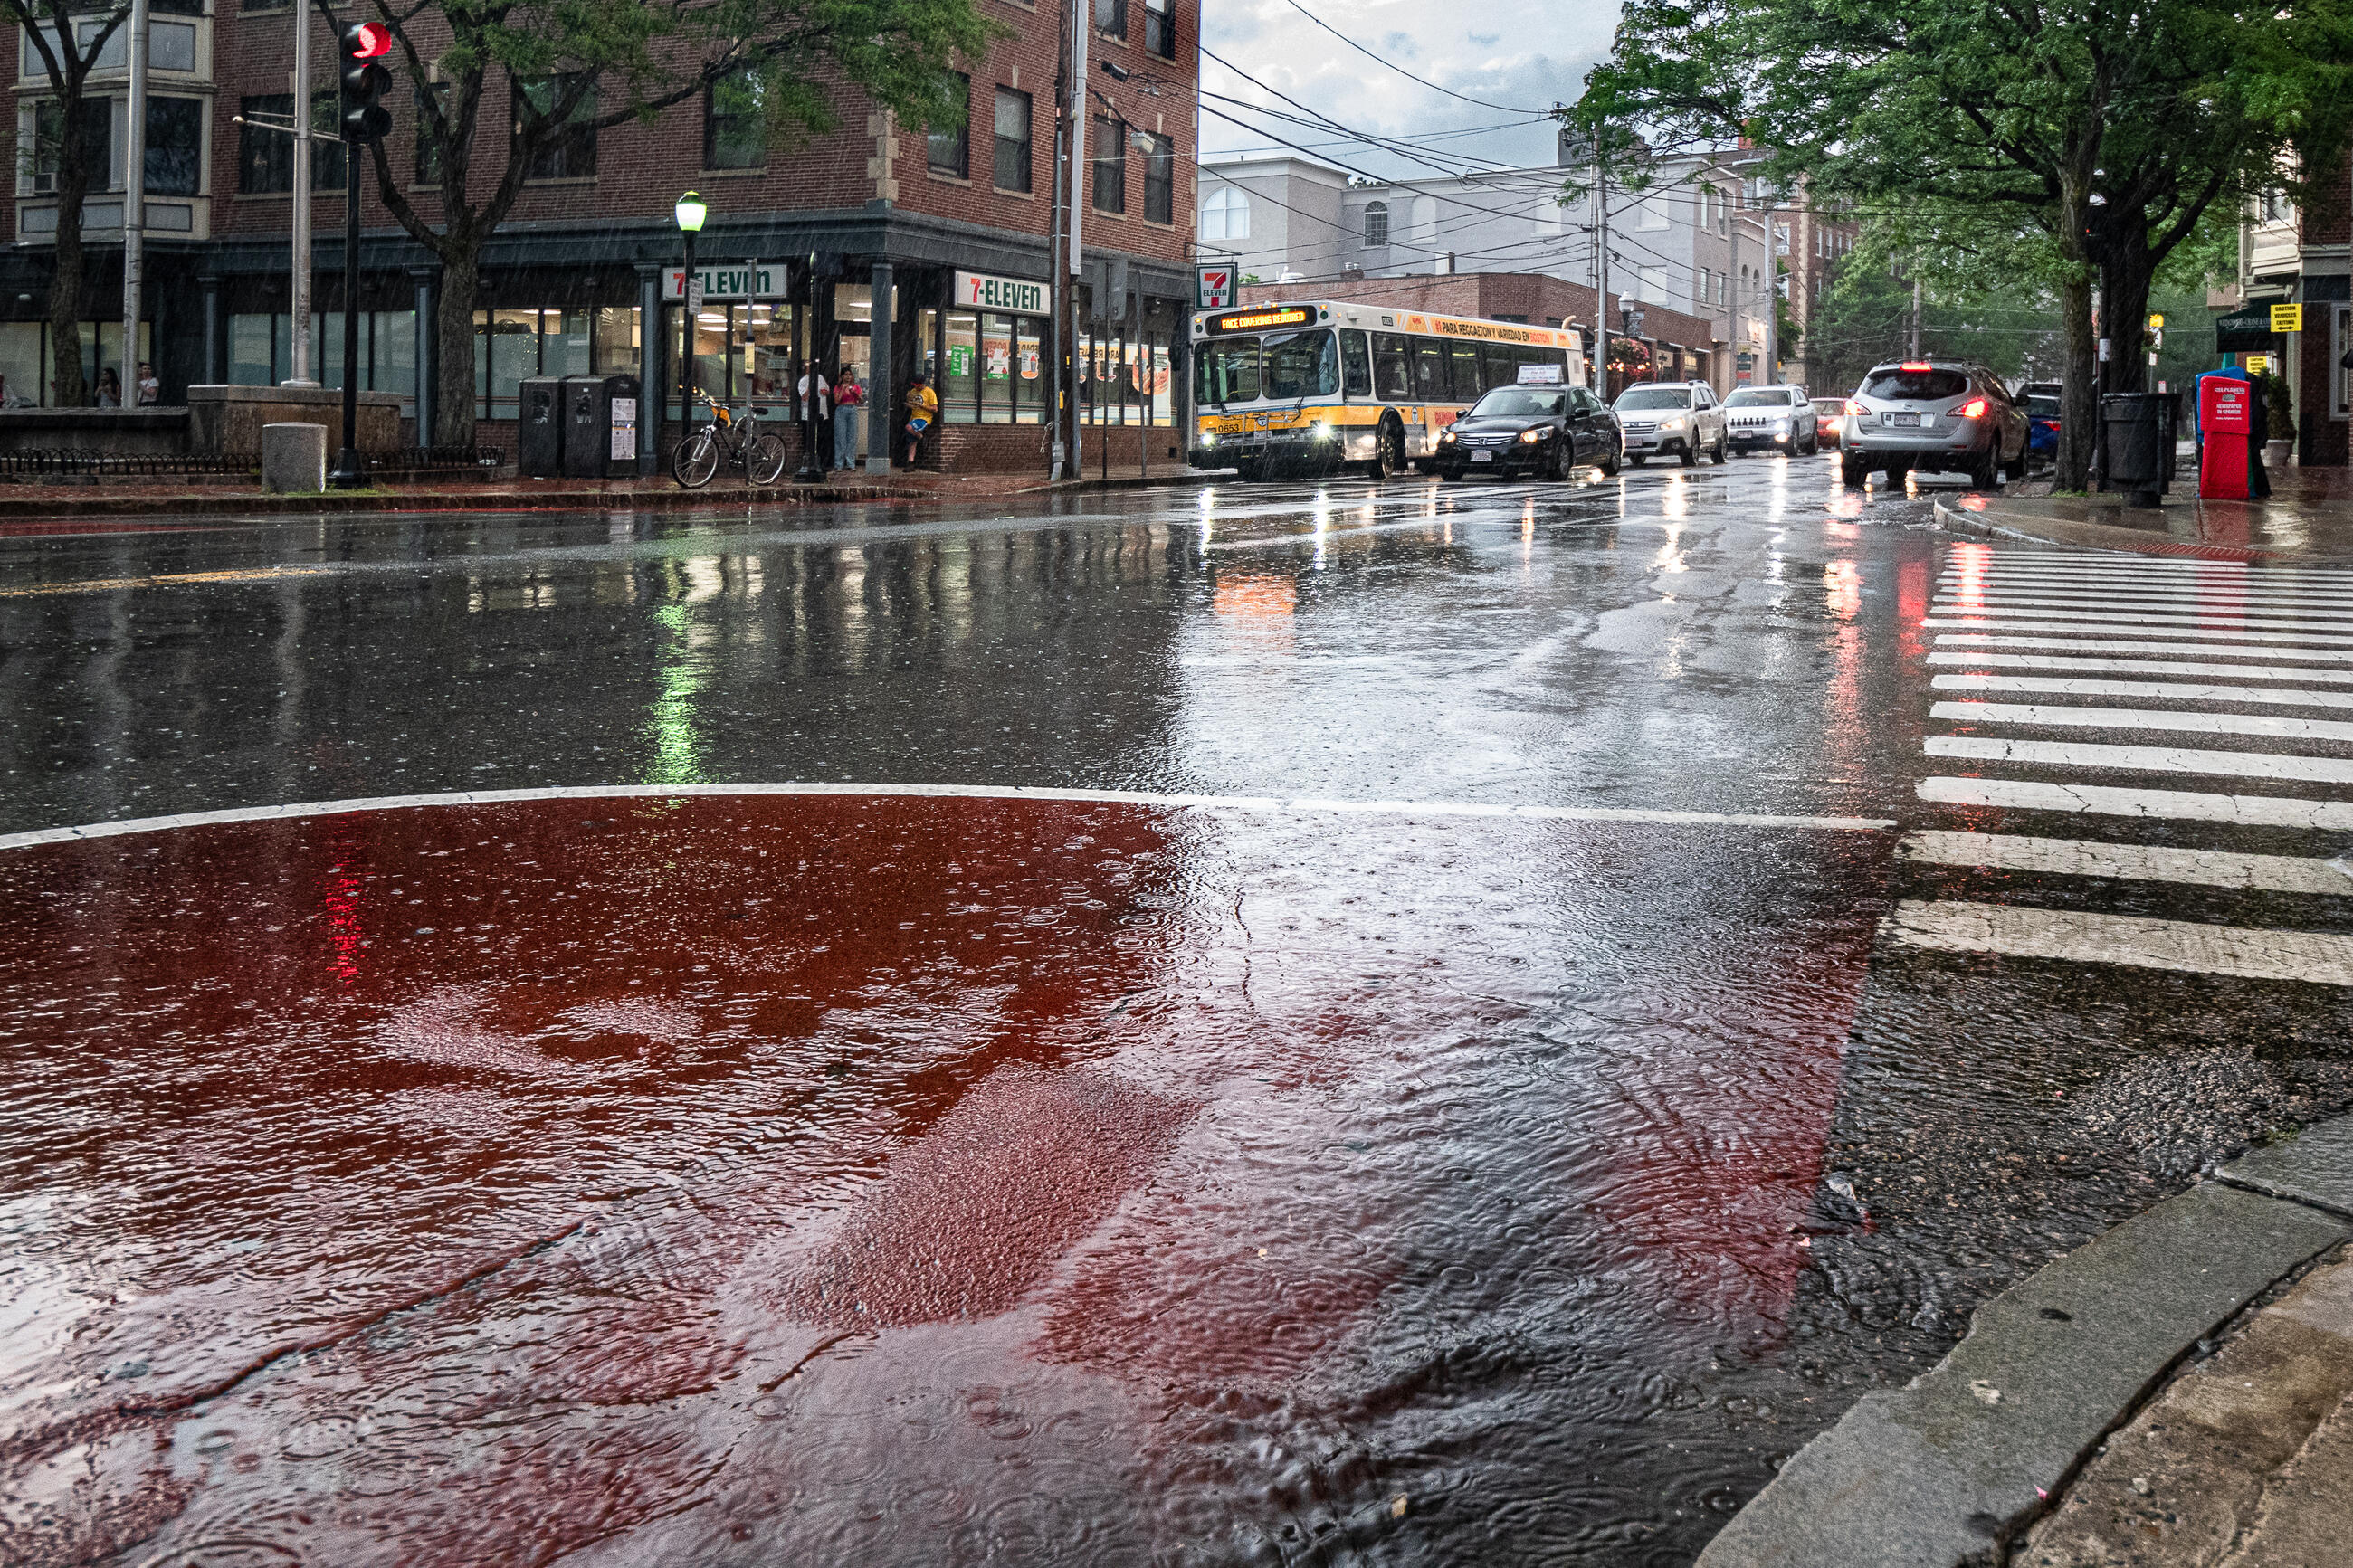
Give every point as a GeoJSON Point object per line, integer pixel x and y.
{"type": "Point", "coordinates": [1673, 418]}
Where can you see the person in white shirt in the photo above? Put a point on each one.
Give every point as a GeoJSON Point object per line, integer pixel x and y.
{"type": "Point", "coordinates": [821, 414]}
{"type": "Point", "coordinates": [150, 390]}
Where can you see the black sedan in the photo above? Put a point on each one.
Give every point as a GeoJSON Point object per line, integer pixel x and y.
{"type": "Point", "coordinates": [1546, 430]}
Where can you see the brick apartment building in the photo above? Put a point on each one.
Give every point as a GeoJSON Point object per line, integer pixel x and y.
{"type": "Point", "coordinates": [872, 211]}
{"type": "Point", "coordinates": [1682, 346]}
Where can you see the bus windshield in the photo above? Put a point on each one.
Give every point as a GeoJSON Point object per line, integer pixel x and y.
{"type": "Point", "coordinates": [1283, 366]}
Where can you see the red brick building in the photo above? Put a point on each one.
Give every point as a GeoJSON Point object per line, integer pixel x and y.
{"type": "Point", "coordinates": [950, 230]}
{"type": "Point", "coordinates": [1679, 345]}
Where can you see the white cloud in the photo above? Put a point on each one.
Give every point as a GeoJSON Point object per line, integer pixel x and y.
{"type": "Point", "coordinates": [1524, 55]}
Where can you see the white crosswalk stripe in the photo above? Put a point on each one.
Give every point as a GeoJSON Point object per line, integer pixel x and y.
{"type": "Point", "coordinates": [2142, 718]}
{"type": "Point", "coordinates": [2146, 690]}
{"type": "Point", "coordinates": [2071, 641]}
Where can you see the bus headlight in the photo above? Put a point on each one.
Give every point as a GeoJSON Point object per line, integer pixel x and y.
{"type": "Point", "coordinates": [1209, 437]}
{"type": "Point", "coordinates": [1319, 431]}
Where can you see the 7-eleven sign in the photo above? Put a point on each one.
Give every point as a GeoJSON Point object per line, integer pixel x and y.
{"type": "Point", "coordinates": [1213, 286]}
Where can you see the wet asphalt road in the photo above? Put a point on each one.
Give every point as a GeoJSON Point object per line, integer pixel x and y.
{"type": "Point", "coordinates": [894, 1178]}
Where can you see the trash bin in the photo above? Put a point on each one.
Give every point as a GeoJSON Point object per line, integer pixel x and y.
{"type": "Point", "coordinates": [600, 426]}
{"type": "Point", "coordinates": [539, 430]}
{"type": "Point", "coordinates": [2140, 445]}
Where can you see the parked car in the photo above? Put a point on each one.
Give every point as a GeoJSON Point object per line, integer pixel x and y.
{"type": "Point", "coordinates": [1672, 419]}
{"type": "Point", "coordinates": [2041, 400]}
{"type": "Point", "coordinates": [1546, 430]}
{"type": "Point", "coordinates": [1937, 415]}
{"type": "Point", "coordinates": [1830, 413]}
{"type": "Point", "coordinates": [1770, 419]}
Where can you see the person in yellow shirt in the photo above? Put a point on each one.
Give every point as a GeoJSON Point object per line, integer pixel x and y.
{"type": "Point", "coordinates": [922, 408]}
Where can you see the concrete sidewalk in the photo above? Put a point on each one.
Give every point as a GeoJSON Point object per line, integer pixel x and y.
{"type": "Point", "coordinates": [2177, 1393]}
{"type": "Point", "coordinates": [540, 495]}
{"type": "Point", "coordinates": [2309, 515]}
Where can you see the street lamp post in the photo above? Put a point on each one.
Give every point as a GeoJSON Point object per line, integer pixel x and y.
{"type": "Point", "coordinates": [691, 211]}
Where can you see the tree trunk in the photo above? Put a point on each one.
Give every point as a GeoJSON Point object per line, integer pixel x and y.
{"type": "Point", "coordinates": [68, 390]}
{"type": "Point", "coordinates": [2072, 468]}
{"type": "Point", "coordinates": [453, 391]}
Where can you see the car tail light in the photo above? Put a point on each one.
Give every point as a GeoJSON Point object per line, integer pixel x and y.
{"type": "Point", "coordinates": [1973, 409]}
{"type": "Point", "coordinates": [1923, 365]}
{"type": "Point", "coordinates": [1854, 406]}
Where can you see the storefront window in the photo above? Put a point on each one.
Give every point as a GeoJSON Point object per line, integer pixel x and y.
{"type": "Point", "coordinates": [564, 346]}
{"type": "Point", "coordinates": [927, 346]}
{"type": "Point", "coordinates": [1030, 384]}
{"type": "Point", "coordinates": [711, 356]}
{"type": "Point", "coordinates": [248, 352]}
{"type": "Point", "coordinates": [20, 358]}
{"type": "Point", "coordinates": [617, 340]}
{"type": "Point", "coordinates": [515, 353]}
{"type": "Point", "coordinates": [960, 375]}
{"type": "Point", "coordinates": [996, 370]}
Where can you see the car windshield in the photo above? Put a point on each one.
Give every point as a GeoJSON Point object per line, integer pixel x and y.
{"type": "Point", "coordinates": [1760, 397]}
{"type": "Point", "coordinates": [1903, 384]}
{"type": "Point", "coordinates": [1519, 403]}
{"type": "Point", "coordinates": [2043, 405]}
{"type": "Point", "coordinates": [1655, 397]}
{"type": "Point", "coordinates": [1282, 367]}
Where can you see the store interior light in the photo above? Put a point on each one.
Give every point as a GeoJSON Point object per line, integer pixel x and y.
{"type": "Point", "coordinates": [690, 213]}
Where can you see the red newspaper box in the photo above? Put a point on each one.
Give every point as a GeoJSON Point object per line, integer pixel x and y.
{"type": "Point", "coordinates": [2226, 418]}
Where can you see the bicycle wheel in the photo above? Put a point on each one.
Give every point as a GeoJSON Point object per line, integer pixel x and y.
{"type": "Point", "coordinates": [697, 458]}
{"type": "Point", "coordinates": [764, 460]}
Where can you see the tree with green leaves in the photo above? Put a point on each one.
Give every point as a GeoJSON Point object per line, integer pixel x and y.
{"type": "Point", "coordinates": [2105, 130]}
{"type": "Point", "coordinates": [549, 74]}
{"type": "Point", "coordinates": [70, 133]}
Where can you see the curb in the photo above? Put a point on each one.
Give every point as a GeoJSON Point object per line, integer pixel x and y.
{"type": "Point", "coordinates": [1949, 1472]}
{"type": "Point", "coordinates": [1998, 521]}
{"type": "Point", "coordinates": [332, 503]}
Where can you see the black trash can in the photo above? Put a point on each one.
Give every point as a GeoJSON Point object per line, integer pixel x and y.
{"type": "Point", "coordinates": [600, 426]}
{"type": "Point", "coordinates": [539, 430]}
{"type": "Point", "coordinates": [2139, 427]}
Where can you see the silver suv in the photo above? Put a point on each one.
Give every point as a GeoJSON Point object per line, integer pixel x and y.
{"type": "Point", "coordinates": [1937, 415]}
{"type": "Point", "coordinates": [1671, 418]}
{"type": "Point", "coordinates": [1770, 419]}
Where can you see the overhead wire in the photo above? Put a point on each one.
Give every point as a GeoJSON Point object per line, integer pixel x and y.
{"type": "Point", "coordinates": [1400, 70]}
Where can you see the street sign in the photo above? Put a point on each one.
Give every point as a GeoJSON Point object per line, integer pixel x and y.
{"type": "Point", "coordinates": [728, 281]}
{"type": "Point", "coordinates": [2287, 317]}
{"type": "Point", "coordinates": [1213, 286]}
{"type": "Point", "coordinates": [2256, 364]}
{"type": "Point", "coordinates": [1014, 295]}
{"type": "Point", "coordinates": [694, 296]}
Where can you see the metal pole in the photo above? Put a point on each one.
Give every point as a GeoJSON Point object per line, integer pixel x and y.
{"type": "Point", "coordinates": [1601, 263]}
{"type": "Point", "coordinates": [1056, 287]}
{"type": "Point", "coordinates": [348, 471]}
{"type": "Point", "coordinates": [1732, 285]}
{"type": "Point", "coordinates": [1081, 23]}
{"type": "Point", "coordinates": [134, 201]}
{"type": "Point", "coordinates": [687, 323]}
{"type": "Point", "coordinates": [301, 304]}
{"type": "Point", "coordinates": [1915, 354]}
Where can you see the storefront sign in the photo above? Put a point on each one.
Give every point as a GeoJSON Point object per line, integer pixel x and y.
{"type": "Point", "coordinates": [729, 280]}
{"type": "Point", "coordinates": [1015, 296]}
{"type": "Point", "coordinates": [2287, 317]}
{"type": "Point", "coordinates": [2257, 365]}
{"type": "Point", "coordinates": [1213, 286]}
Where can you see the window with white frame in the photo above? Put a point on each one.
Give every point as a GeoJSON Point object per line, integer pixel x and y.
{"type": "Point", "coordinates": [1225, 215]}
{"type": "Point", "coordinates": [1377, 224]}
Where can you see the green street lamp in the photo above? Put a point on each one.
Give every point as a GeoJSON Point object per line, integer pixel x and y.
{"type": "Point", "coordinates": [691, 211]}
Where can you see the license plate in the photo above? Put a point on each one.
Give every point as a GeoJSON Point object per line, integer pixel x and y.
{"type": "Point", "coordinates": [1905, 418]}
{"type": "Point", "coordinates": [1483, 456]}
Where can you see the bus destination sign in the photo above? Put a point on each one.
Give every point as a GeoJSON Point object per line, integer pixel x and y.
{"type": "Point", "coordinates": [1256, 320]}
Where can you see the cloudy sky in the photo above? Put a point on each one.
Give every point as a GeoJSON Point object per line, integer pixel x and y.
{"type": "Point", "coordinates": [1522, 54]}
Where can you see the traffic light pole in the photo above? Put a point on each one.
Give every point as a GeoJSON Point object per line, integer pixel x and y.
{"type": "Point", "coordinates": [349, 474]}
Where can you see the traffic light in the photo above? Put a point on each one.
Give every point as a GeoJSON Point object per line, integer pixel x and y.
{"type": "Point", "coordinates": [365, 121]}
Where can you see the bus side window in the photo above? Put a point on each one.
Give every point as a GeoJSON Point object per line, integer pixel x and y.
{"type": "Point", "coordinates": [1392, 375]}
{"type": "Point", "coordinates": [1464, 360]}
{"type": "Point", "coordinates": [1355, 364]}
{"type": "Point", "coordinates": [1499, 365]}
{"type": "Point", "coordinates": [1430, 371]}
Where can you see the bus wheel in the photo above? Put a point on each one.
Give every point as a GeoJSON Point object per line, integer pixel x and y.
{"type": "Point", "coordinates": [1389, 450]}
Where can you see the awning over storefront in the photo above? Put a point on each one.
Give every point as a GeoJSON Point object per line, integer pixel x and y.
{"type": "Point", "coordinates": [2245, 329]}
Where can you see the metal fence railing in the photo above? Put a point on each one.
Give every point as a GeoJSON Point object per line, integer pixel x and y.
{"type": "Point", "coordinates": [83, 463]}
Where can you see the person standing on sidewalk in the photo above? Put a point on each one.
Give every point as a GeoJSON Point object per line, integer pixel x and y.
{"type": "Point", "coordinates": [922, 408]}
{"type": "Point", "coordinates": [820, 414]}
{"type": "Point", "coordinates": [849, 397]}
{"type": "Point", "coordinates": [150, 390]}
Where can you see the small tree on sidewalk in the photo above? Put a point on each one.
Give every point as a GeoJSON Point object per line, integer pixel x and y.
{"type": "Point", "coordinates": [551, 74]}
{"type": "Point", "coordinates": [71, 131]}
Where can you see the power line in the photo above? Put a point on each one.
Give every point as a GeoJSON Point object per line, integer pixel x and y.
{"type": "Point", "coordinates": [1392, 64]}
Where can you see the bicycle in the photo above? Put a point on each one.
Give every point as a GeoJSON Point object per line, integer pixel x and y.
{"type": "Point", "coordinates": [738, 444]}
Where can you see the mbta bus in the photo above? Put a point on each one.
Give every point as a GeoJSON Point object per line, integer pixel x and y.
{"type": "Point", "coordinates": [1325, 384]}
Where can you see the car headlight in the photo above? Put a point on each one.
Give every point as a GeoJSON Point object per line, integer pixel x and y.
{"type": "Point", "coordinates": [1532, 437]}
{"type": "Point", "coordinates": [1447, 434]}
{"type": "Point", "coordinates": [1673, 422]}
{"type": "Point", "coordinates": [1781, 427]}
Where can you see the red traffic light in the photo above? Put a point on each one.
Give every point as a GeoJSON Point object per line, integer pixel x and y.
{"type": "Point", "coordinates": [368, 40]}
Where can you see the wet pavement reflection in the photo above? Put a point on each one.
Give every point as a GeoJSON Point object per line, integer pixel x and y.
{"type": "Point", "coordinates": [892, 1177]}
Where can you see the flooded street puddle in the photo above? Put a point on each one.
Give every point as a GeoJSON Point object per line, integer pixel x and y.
{"type": "Point", "coordinates": [905, 1180]}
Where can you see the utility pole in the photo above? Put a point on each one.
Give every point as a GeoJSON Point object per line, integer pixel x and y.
{"type": "Point", "coordinates": [1057, 285]}
{"type": "Point", "coordinates": [1733, 284]}
{"type": "Point", "coordinates": [1075, 111]}
{"type": "Point", "coordinates": [301, 305]}
{"type": "Point", "coordinates": [1601, 263]}
{"type": "Point", "coordinates": [1915, 354]}
{"type": "Point", "coordinates": [135, 200]}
